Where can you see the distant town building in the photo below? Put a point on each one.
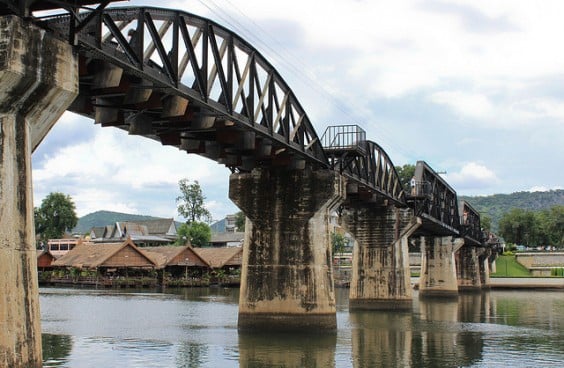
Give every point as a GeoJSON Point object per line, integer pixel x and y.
{"type": "Point", "coordinates": [229, 239]}
{"type": "Point", "coordinates": [226, 225]}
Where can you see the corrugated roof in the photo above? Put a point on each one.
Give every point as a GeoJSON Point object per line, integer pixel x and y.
{"type": "Point", "coordinates": [159, 226]}
{"type": "Point", "coordinates": [90, 255]}
{"type": "Point", "coordinates": [220, 257]}
{"type": "Point", "coordinates": [227, 237]}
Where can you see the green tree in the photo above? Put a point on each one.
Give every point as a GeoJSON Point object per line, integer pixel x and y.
{"type": "Point", "coordinates": [551, 226]}
{"type": "Point", "coordinates": [240, 221]}
{"type": "Point", "coordinates": [55, 216]}
{"type": "Point", "coordinates": [486, 222]}
{"type": "Point", "coordinates": [519, 226]}
{"type": "Point", "coordinates": [198, 233]}
{"type": "Point", "coordinates": [338, 242]}
{"type": "Point", "coordinates": [405, 174]}
{"type": "Point", "coordinates": [191, 202]}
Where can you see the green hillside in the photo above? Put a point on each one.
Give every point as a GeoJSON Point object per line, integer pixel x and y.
{"type": "Point", "coordinates": [496, 205]}
{"type": "Point", "coordinates": [103, 218]}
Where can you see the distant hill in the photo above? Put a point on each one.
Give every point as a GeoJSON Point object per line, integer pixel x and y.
{"type": "Point", "coordinates": [496, 205]}
{"type": "Point", "coordinates": [103, 218]}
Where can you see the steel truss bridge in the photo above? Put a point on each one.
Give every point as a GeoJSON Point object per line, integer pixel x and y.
{"type": "Point", "coordinates": [189, 82]}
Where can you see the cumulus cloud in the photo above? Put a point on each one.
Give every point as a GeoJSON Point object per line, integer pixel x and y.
{"type": "Point", "coordinates": [472, 176]}
{"type": "Point", "coordinates": [117, 172]}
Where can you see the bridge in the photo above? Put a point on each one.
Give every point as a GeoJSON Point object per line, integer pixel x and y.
{"type": "Point", "coordinates": [188, 82]}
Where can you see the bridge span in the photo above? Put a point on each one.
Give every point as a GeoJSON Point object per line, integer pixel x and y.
{"type": "Point", "coordinates": [188, 82]}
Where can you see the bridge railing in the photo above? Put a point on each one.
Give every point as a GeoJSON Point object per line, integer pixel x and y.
{"type": "Point", "coordinates": [343, 137]}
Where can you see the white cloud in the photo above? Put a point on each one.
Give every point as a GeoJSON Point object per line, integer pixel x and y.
{"type": "Point", "coordinates": [543, 188]}
{"type": "Point", "coordinates": [465, 103]}
{"type": "Point", "coordinates": [472, 176]}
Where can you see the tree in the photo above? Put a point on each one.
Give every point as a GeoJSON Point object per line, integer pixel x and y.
{"type": "Point", "coordinates": [199, 234]}
{"type": "Point", "coordinates": [486, 222]}
{"type": "Point", "coordinates": [519, 226]}
{"type": "Point", "coordinates": [55, 216]}
{"type": "Point", "coordinates": [191, 202]}
{"type": "Point", "coordinates": [240, 221]}
{"type": "Point", "coordinates": [338, 242]}
{"type": "Point", "coordinates": [405, 174]}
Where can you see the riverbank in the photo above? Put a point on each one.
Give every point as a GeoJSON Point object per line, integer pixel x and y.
{"type": "Point", "coordinates": [504, 283]}
{"type": "Point", "coordinates": [527, 283]}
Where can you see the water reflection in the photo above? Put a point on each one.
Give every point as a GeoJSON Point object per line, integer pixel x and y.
{"type": "Point", "coordinates": [191, 355]}
{"type": "Point", "coordinates": [381, 338]}
{"type": "Point", "coordinates": [286, 350]}
{"type": "Point", "coordinates": [56, 349]}
{"type": "Point", "coordinates": [443, 339]}
{"type": "Point", "coordinates": [198, 328]}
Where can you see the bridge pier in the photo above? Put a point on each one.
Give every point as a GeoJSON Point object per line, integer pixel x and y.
{"type": "Point", "coordinates": [484, 266]}
{"type": "Point", "coordinates": [438, 267]}
{"type": "Point", "coordinates": [380, 271]}
{"type": "Point", "coordinates": [38, 81]}
{"type": "Point", "coordinates": [468, 269]}
{"type": "Point", "coordinates": [286, 278]}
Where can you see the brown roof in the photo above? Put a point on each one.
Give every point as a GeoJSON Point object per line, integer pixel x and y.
{"type": "Point", "coordinates": [220, 257]}
{"type": "Point", "coordinates": [90, 255]}
{"type": "Point", "coordinates": [175, 256]}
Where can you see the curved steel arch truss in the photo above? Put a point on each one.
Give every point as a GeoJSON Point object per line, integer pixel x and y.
{"type": "Point", "coordinates": [374, 176]}
{"type": "Point", "coordinates": [189, 82]}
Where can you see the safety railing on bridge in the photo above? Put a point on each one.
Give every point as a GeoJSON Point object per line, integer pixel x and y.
{"type": "Point", "coordinates": [344, 138]}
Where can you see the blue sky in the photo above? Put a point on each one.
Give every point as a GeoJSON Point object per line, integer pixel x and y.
{"type": "Point", "coordinates": [474, 88]}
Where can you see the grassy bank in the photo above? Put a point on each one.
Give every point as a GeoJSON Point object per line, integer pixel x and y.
{"type": "Point", "coordinates": [507, 266]}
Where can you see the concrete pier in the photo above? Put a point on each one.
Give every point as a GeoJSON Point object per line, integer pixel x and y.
{"type": "Point", "coordinates": [286, 278]}
{"type": "Point", "coordinates": [484, 266]}
{"type": "Point", "coordinates": [468, 269]}
{"type": "Point", "coordinates": [438, 267]}
{"type": "Point", "coordinates": [380, 271]}
{"type": "Point", "coordinates": [38, 81]}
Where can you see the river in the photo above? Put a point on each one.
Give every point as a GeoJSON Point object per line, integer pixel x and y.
{"type": "Point", "coordinates": [197, 327]}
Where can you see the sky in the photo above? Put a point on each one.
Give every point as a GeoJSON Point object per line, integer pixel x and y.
{"type": "Point", "coordinates": [473, 88]}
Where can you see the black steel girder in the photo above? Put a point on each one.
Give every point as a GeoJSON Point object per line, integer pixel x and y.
{"type": "Point", "coordinates": [434, 201]}
{"type": "Point", "coordinates": [189, 82]}
{"type": "Point", "coordinates": [470, 227]}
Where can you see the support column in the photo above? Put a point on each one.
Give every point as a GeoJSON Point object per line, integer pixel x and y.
{"type": "Point", "coordinates": [381, 276]}
{"type": "Point", "coordinates": [484, 265]}
{"type": "Point", "coordinates": [38, 81]}
{"type": "Point", "coordinates": [438, 268]}
{"type": "Point", "coordinates": [286, 278]}
{"type": "Point", "coordinates": [468, 269]}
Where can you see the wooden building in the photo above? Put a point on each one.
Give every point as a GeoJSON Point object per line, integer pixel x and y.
{"type": "Point", "coordinates": [114, 258]}
{"type": "Point", "coordinates": [178, 261]}
{"type": "Point", "coordinates": [227, 258]}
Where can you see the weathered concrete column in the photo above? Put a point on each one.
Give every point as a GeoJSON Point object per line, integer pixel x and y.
{"type": "Point", "coordinates": [38, 80]}
{"type": "Point", "coordinates": [381, 276]}
{"type": "Point", "coordinates": [286, 278]}
{"type": "Point", "coordinates": [484, 266]}
{"type": "Point", "coordinates": [438, 268]}
{"type": "Point", "coordinates": [468, 269]}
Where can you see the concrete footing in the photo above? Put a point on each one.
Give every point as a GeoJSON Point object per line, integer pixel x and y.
{"type": "Point", "coordinates": [38, 81]}
{"type": "Point", "coordinates": [438, 267]}
{"type": "Point", "coordinates": [286, 278]}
